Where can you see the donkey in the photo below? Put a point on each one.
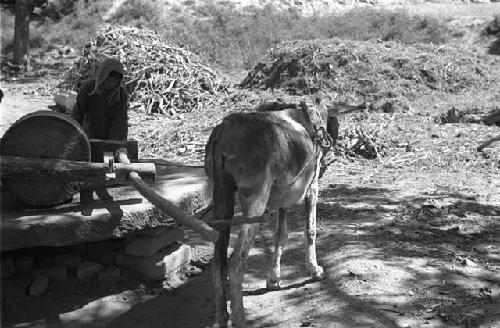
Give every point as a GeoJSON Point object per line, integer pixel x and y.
{"type": "Point", "coordinates": [272, 159]}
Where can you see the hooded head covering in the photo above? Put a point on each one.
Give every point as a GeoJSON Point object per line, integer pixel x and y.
{"type": "Point", "coordinates": [107, 66]}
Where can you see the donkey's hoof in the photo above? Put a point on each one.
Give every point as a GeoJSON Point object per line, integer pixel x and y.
{"type": "Point", "coordinates": [317, 273]}
{"type": "Point", "coordinates": [272, 284]}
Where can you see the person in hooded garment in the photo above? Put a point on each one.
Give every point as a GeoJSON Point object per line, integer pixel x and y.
{"type": "Point", "coordinates": [102, 103]}
{"type": "Point", "coordinates": [101, 108]}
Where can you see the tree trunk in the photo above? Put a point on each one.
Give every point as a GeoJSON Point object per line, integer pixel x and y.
{"type": "Point", "coordinates": [21, 33]}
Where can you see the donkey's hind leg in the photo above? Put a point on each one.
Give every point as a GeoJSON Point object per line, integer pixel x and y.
{"type": "Point", "coordinates": [253, 202]}
{"type": "Point", "coordinates": [219, 276]}
{"type": "Point", "coordinates": [223, 208]}
{"type": "Point", "coordinates": [280, 239]}
{"type": "Point", "coordinates": [310, 231]}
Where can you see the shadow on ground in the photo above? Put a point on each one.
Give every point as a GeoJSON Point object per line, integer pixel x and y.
{"type": "Point", "coordinates": [430, 260]}
{"type": "Point", "coordinates": [390, 262]}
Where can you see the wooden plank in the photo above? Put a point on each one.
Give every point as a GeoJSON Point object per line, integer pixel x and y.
{"type": "Point", "coordinates": [47, 169]}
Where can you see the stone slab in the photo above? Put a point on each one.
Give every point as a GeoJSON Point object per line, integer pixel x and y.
{"type": "Point", "coordinates": [88, 270]}
{"type": "Point", "coordinates": [56, 272]}
{"type": "Point", "coordinates": [159, 266]}
{"type": "Point", "coordinates": [7, 268]}
{"type": "Point", "coordinates": [122, 216]}
{"type": "Point", "coordinates": [148, 246]}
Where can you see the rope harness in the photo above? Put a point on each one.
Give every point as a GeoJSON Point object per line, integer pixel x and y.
{"type": "Point", "coordinates": [321, 137]}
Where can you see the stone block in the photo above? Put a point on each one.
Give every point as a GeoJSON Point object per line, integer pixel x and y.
{"type": "Point", "coordinates": [46, 262]}
{"type": "Point", "coordinates": [148, 246]}
{"type": "Point", "coordinates": [39, 286]}
{"type": "Point", "coordinates": [87, 270]}
{"type": "Point", "coordinates": [56, 272]}
{"type": "Point", "coordinates": [103, 252]}
{"type": "Point", "coordinates": [16, 288]}
{"type": "Point", "coordinates": [24, 263]}
{"type": "Point", "coordinates": [110, 273]}
{"type": "Point", "coordinates": [70, 260]}
{"type": "Point", "coordinates": [161, 265]}
{"type": "Point", "coordinates": [8, 268]}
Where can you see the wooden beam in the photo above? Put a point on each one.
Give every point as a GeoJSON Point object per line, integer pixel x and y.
{"type": "Point", "coordinates": [169, 208]}
{"type": "Point", "coordinates": [239, 220]}
{"type": "Point", "coordinates": [48, 168]}
{"type": "Point", "coordinates": [487, 143]}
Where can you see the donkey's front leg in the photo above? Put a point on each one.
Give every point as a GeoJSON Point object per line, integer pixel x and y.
{"type": "Point", "coordinates": [310, 231]}
{"type": "Point", "coordinates": [280, 239]}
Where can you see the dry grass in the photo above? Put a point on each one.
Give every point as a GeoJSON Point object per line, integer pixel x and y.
{"type": "Point", "coordinates": [447, 11]}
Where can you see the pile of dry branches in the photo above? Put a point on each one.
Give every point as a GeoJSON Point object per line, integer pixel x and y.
{"type": "Point", "coordinates": [403, 140]}
{"type": "Point", "coordinates": [475, 115]}
{"type": "Point", "coordinates": [360, 143]}
{"type": "Point", "coordinates": [368, 72]}
{"type": "Point", "coordinates": [161, 77]}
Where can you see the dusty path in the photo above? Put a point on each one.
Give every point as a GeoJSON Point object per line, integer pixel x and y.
{"type": "Point", "coordinates": [400, 248]}
{"type": "Point", "coordinates": [412, 247]}
{"type": "Point", "coordinates": [408, 254]}
{"type": "Point", "coordinates": [19, 100]}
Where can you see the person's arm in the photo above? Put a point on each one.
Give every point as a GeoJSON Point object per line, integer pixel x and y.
{"type": "Point", "coordinates": [78, 112]}
{"type": "Point", "coordinates": [119, 122]}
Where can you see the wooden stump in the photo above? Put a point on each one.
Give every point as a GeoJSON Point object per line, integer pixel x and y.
{"type": "Point", "coordinates": [45, 134]}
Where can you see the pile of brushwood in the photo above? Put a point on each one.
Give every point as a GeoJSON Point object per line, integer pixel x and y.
{"type": "Point", "coordinates": [383, 75]}
{"type": "Point", "coordinates": [161, 77]}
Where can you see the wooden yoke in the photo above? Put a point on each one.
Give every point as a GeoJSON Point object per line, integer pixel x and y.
{"type": "Point", "coordinates": [167, 207]}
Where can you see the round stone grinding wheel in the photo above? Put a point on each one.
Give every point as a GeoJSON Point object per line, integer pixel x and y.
{"type": "Point", "coordinates": [45, 134]}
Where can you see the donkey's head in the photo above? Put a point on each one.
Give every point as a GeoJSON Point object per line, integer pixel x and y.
{"type": "Point", "coordinates": [321, 116]}
{"type": "Point", "coordinates": [325, 127]}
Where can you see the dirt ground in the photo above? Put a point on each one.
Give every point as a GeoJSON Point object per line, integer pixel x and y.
{"type": "Point", "coordinates": [21, 98]}
{"type": "Point", "coordinates": [402, 247]}
{"type": "Point", "coordinates": [410, 240]}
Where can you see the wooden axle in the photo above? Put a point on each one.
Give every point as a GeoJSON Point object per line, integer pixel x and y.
{"type": "Point", "coordinates": [48, 168]}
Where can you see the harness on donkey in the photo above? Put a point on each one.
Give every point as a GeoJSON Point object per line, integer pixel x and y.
{"type": "Point", "coordinates": [321, 138]}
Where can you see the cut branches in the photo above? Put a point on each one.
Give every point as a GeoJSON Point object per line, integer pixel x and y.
{"type": "Point", "coordinates": [161, 77]}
